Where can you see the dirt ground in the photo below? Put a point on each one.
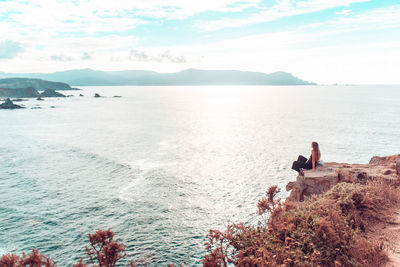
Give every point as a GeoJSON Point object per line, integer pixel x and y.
{"type": "Point", "coordinates": [389, 233]}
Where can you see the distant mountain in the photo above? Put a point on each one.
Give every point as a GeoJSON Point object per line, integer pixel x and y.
{"type": "Point", "coordinates": [88, 77]}
{"type": "Point", "coordinates": [38, 84]}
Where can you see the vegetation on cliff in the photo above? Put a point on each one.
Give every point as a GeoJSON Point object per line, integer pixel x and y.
{"type": "Point", "coordinates": [103, 251]}
{"type": "Point", "coordinates": [329, 230]}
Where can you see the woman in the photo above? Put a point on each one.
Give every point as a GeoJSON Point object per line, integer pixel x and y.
{"type": "Point", "coordinates": [314, 160]}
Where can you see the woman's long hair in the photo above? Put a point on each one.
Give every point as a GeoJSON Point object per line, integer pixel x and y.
{"type": "Point", "coordinates": [315, 147]}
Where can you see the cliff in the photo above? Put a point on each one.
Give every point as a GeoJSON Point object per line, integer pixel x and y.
{"type": "Point", "coordinates": [352, 219]}
{"type": "Point", "coordinates": [332, 173]}
{"type": "Point", "coordinates": [38, 84]}
{"type": "Point", "coordinates": [19, 92]}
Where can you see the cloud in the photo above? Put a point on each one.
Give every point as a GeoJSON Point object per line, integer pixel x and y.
{"type": "Point", "coordinates": [165, 56]}
{"type": "Point", "coordinates": [9, 49]}
{"type": "Point", "coordinates": [86, 56]}
{"type": "Point", "coordinates": [99, 16]}
{"type": "Point", "coordinates": [345, 12]}
{"type": "Point", "coordinates": [61, 58]}
{"type": "Point", "coordinates": [73, 27]}
{"type": "Point", "coordinates": [282, 8]}
{"type": "Point", "coordinates": [141, 56]}
{"type": "Point", "coordinates": [376, 19]}
{"type": "Point", "coordinates": [387, 17]}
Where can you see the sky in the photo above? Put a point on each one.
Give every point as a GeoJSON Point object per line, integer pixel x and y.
{"type": "Point", "coordinates": [323, 41]}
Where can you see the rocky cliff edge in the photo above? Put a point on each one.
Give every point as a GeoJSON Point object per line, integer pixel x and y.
{"type": "Point", "coordinates": [332, 173]}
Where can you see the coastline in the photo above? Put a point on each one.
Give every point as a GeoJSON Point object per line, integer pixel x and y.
{"type": "Point", "coordinates": [340, 215]}
{"type": "Point", "coordinates": [331, 173]}
{"type": "Point", "coordinates": [386, 169]}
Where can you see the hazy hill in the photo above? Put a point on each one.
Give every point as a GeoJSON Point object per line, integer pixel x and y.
{"type": "Point", "coordinates": [88, 77]}
{"type": "Point", "coordinates": [38, 84]}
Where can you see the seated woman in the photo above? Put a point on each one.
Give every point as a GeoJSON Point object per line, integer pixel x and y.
{"type": "Point", "coordinates": [314, 160]}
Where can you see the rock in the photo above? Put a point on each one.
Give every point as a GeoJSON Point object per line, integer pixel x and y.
{"type": "Point", "coordinates": [117, 96]}
{"type": "Point", "coordinates": [36, 108]}
{"type": "Point", "coordinates": [80, 95]}
{"type": "Point", "coordinates": [386, 169]}
{"type": "Point", "coordinates": [8, 104]}
{"type": "Point", "coordinates": [39, 99]}
{"type": "Point", "coordinates": [51, 93]}
{"type": "Point", "coordinates": [18, 100]}
{"type": "Point", "coordinates": [384, 160]}
{"type": "Point", "coordinates": [388, 172]}
{"type": "Point", "coordinates": [97, 95]}
{"type": "Point", "coordinates": [52, 106]}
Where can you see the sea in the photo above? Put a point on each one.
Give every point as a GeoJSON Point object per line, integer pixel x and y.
{"type": "Point", "coordinates": [160, 166]}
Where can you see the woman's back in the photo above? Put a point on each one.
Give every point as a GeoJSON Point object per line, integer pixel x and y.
{"type": "Point", "coordinates": [316, 153]}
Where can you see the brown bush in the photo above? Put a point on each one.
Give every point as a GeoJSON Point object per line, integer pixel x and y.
{"type": "Point", "coordinates": [328, 230]}
{"type": "Point", "coordinates": [32, 260]}
{"type": "Point", "coordinates": [103, 249]}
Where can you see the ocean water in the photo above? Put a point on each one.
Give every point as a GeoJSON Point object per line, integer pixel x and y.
{"type": "Point", "coordinates": [162, 165]}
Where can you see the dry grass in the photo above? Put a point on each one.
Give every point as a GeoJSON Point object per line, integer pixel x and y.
{"type": "Point", "coordinates": [328, 230]}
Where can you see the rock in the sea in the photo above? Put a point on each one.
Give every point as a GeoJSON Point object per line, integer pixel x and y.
{"type": "Point", "coordinates": [39, 99]}
{"type": "Point", "coordinates": [8, 104]}
{"type": "Point", "coordinates": [51, 93]}
{"type": "Point", "coordinates": [97, 95]}
{"type": "Point", "coordinates": [117, 96]}
{"type": "Point", "coordinates": [316, 182]}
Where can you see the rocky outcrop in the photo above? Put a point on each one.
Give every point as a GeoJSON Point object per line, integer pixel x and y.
{"type": "Point", "coordinates": [97, 95]}
{"type": "Point", "coordinates": [8, 104]}
{"type": "Point", "coordinates": [29, 92]}
{"type": "Point", "coordinates": [19, 92]}
{"type": "Point", "coordinates": [331, 173]}
{"type": "Point", "coordinates": [51, 93]}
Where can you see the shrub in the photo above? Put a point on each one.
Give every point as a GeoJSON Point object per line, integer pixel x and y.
{"type": "Point", "coordinates": [32, 260]}
{"type": "Point", "coordinates": [103, 249]}
{"type": "Point", "coordinates": [328, 230]}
